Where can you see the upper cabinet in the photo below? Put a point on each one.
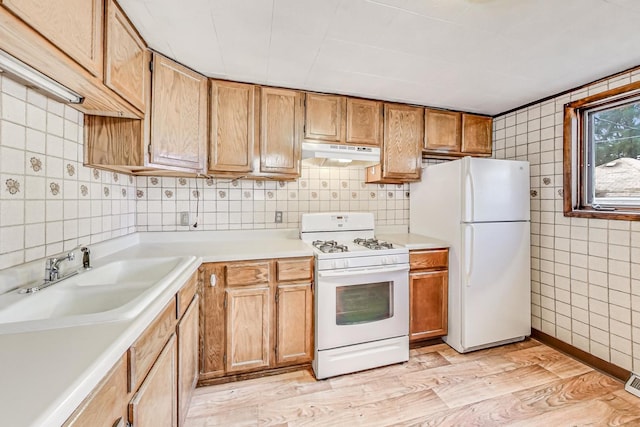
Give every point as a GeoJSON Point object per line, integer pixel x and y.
{"type": "Point", "coordinates": [454, 134]}
{"type": "Point", "coordinates": [401, 146]}
{"type": "Point", "coordinates": [280, 119]}
{"type": "Point", "coordinates": [232, 141]}
{"type": "Point", "coordinates": [340, 119]}
{"type": "Point", "coordinates": [476, 134]}
{"type": "Point", "coordinates": [324, 117]}
{"type": "Point", "coordinates": [364, 122]}
{"type": "Point", "coordinates": [178, 116]}
{"type": "Point", "coordinates": [74, 26]}
{"type": "Point", "coordinates": [443, 130]}
{"type": "Point", "coordinates": [126, 58]}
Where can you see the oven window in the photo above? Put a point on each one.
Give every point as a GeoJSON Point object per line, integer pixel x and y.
{"type": "Point", "coordinates": [364, 303]}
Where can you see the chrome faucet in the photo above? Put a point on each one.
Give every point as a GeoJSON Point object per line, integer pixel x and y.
{"type": "Point", "coordinates": [86, 258]}
{"type": "Point", "coordinates": [53, 264]}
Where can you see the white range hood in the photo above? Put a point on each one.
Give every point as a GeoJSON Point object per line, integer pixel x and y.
{"type": "Point", "coordinates": [340, 154]}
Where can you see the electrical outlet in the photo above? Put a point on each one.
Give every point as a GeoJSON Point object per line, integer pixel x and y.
{"type": "Point", "coordinates": [184, 218]}
{"type": "Point", "coordinates": [278, 219]}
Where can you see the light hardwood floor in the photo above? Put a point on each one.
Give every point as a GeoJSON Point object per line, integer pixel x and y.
{"type": "Point", "coordinates": [523, 384]}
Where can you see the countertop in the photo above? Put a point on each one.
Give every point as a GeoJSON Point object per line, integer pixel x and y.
{"type": "Point", "coordinates": [413, 241]}
{"type": "Point", "coordinates": [46, 374]}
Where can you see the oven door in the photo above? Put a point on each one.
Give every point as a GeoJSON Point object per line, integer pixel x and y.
{"type": "Point", "coordinates": [361, 305]}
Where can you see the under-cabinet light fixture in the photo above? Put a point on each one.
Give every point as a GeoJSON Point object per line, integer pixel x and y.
{"type": "Point", "coordinates": [28, 74]}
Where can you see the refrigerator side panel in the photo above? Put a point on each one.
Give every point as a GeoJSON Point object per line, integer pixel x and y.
{"type": "Point", "coordinates": [495, 283]}
{"type": "Point", "coordinates": [435, 211]}
{"type": "Point", "coordinates": [495, 190]}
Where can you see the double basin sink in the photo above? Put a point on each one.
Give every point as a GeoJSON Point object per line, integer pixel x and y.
{"type": "Point", "coordinates": [116, 291]}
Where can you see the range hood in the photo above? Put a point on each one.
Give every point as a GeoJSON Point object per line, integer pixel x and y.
{"type": "Point", "coordinates": [339, 154]}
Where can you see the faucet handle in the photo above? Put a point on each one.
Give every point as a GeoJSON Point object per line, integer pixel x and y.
{"type": "Point", "coordinates": [86, 258]}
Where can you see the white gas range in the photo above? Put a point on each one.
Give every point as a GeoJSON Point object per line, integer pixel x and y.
{"type": "Point", "coordinates": [362, 294]}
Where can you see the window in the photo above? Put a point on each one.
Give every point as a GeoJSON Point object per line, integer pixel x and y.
{"type": "Point", "coordinates": [602, 155]}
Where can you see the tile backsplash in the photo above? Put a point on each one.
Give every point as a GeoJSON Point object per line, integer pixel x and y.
{"type": "Point", "coordinates": [223, 204]}
{"type": "Point", "coordinates": [585, 272]}
{"type": "Point", "coordinates": [49, 202]}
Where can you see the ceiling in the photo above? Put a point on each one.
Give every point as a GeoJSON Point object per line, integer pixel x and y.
{"type": "Point", "coordinates": [484, 56]}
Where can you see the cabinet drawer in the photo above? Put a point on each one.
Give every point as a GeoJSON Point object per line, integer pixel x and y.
{"type": "Point", "coordinates": [247, 273]}
{"type": "Point", "coordinates": [421, 260]}
{"type": "Point", "coordinates": [185, 295]}
{"type": "Point", "coordinates": [145, 350]}
{"type": "Point", "coordinates": [106, 403]}
{"type": "Point", "coordinates": [293, 269]}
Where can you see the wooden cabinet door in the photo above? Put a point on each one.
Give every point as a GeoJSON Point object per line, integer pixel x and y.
{"type": "Point", "coordinates": [187, 358]}
{"type": "Point", "coordinates": [248, 328]}
{"type": "Point", "coordinates": [231, 147]}
{"type": "Point", "coordinates": [364, 122]}
{"type": "Point", "coordinates": [402, 144]}
{"type": "Point", "coordinates": [280, 117]}
{"type": "Point", "coordinates": [178, 116]}
{"type": "Point", "coordinates": [324, 117]}
{"type": "Point", "coordinates": [295, 324]}
{"type": "Point", "coordinates": [107, 403]}
{"type": "Point", "coordinates": [74, 26]}
{"type": "Point", "coordinates": [127, 61]}
{"type": "Point", "coordinates": [212, 322]}
{"type": "Point", "coordinates": [428, 296]}
{"type": "Point", "coordinates": [154, 404]}
{"type": "Point", "coordinates": [476, 134]}
{"type": "Point", "coordinates": [443, 130]}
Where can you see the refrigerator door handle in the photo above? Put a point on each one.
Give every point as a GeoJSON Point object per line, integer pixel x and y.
{"type": "Point", "coordinates": [468, 200]}
{"type": "Point", "coordinates": [468, 253]}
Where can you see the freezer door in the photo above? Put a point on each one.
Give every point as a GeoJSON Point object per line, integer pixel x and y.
{"type": "Point", "coordinates": [495, 190]}
{"type": "Point", "coordinates": [495, 282]}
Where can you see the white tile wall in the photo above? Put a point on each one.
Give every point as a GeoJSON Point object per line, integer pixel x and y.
{"type": "Point", "coordinates": [585, 272]}
{"type": "Point", "coordinates": [244, 204]}
{"type": "Point", "coordinates": [49, 202]}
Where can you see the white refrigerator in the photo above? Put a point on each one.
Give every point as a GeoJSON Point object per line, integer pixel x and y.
{"type": "Point", "coordinates": [481, 208]}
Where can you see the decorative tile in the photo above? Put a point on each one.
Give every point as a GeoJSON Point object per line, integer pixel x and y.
{"type": "Point", "coordinates": [84, 190]}
{"type": "Point", "coordinates": [139, 194]}
{"type": "Point", "coordinates": [115, 177]}
{"type": "Point", "coordinates": [54, 187]}
{"type": "Point", "coordinates": [222, 194]}
{"type": "Point", "coordinates": [281, 184]}
{"type": "Point", "coordinates": [270, 194]}
{"type": "Point", "coordinates": [106, 191]}
{"type": "Point", "coordinates": [546, 181]}
{"type": "Point", "coordinates": [71, 170]}
{"type": "Point", "coordinates": [96, 174]}
{"type": "Point", "coordinates": [534, 193]}
{"type": "Point", "coordinates": [209, 182]}
{"type": "Point", "coordinates": [168, 193]}
{"type": "Point", "coordinates": [246, 194]}
{"type": "Point", "coordinates": [182, 181]}
{"type": "Point", "coordinates": [13, 186]}
{"type": "Point", "coordinates": [36, 164]}
{"type": "Point", "coordinates": [124, 192]}
{"type": "Point", "coordinates": [154, 180]}
{"type": "Point", "coordinates": [196, 194]}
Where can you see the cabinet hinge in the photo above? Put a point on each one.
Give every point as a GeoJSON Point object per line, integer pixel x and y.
{"type": "Point", "coordinates": [149, 148]}
{"type": "Point", "coordinates": [276, 297]}
{"type": "Point", "coordinates": [151, 65]}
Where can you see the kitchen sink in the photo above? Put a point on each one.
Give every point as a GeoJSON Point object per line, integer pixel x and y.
{"type": "Point", "coordinates": [115, 291]}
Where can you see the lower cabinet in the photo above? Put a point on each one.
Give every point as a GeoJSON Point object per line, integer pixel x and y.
{"type": "Point", "coordinates": [428, 294]}
{"type": "Point", "coordinates": [256, 315]}
{"type": "Point", "coordinates": [155, 403]}
{"type": "Point", "coordinates": [248, 316]}
{"type": "Point", "coordinates": [187, 333]}
{"type": "Point", "coordinates": [295, 323]}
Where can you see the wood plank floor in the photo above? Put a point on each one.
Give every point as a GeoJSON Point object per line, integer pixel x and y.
{"type": "Point", "coordinates": [523, 384]}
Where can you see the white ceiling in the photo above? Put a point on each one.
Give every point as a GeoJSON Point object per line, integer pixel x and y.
{"type": "Point", "coordinates": [484, 56]}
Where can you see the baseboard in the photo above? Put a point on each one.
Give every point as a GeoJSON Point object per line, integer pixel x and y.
{"type": "Point", "coordinates": [252, 375]}
{"type": "Point", "coordinates": [581, 355]}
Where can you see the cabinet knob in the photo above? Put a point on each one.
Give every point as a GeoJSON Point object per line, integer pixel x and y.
{"type": "Point", "coordinates": [213, 280]}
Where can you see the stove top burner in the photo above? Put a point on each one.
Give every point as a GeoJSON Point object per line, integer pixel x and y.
{"type": "Point", "coordinates": [329, 246]}
{"type": "Point", "coordinates": [374, 244]}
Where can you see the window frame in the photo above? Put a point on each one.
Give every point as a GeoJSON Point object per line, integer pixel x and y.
{"type": "Point", "coordinates": [574, 145]}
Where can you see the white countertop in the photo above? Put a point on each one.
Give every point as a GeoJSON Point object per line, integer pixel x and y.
{"type": "Point", "coordinates": [46, 374]}
{"type": "Point", "coordinates": [413, 241]}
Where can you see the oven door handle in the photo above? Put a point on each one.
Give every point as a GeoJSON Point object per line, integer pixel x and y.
{"type": "Point", "coordinates": [361, 271]}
